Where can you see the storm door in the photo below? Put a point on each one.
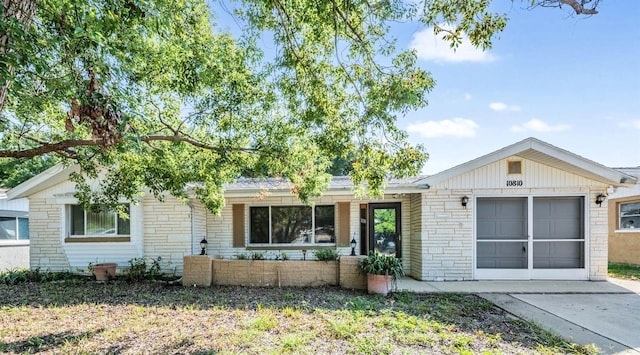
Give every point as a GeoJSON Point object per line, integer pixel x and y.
{"type": "Point", "coordinates": [384, 228]}
{"type": "Point", "coordinates": [502, 239]}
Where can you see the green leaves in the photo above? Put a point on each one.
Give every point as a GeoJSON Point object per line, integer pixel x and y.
{"type": "Point", "coordinates": [151, 96]}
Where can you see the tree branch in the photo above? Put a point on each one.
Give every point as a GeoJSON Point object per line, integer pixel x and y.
{"type": "Point", "coordinates": [64, 146]}
{"type": "Point", "coordinates": [578, 6]}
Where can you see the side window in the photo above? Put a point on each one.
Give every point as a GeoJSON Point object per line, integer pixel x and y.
{"type": "Point", "coordinates": [14, 228]}
{"type": "Point", "coordinates": [104, 223]}
{"type": "Point", "coordinates": [630, 215]}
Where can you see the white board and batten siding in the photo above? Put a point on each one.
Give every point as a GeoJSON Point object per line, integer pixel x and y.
{"type": "Point", "coordinates": [534, 175]}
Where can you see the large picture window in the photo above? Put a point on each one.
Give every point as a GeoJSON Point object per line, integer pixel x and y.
{"type": "Point", "coordinates": [292, 225]}
{"type": "Point", "coordinates": [630, 215]}
{"type": "Point", "coordinates": [97, 224]}
{"type": "Point", "coordinates": [14, 228]}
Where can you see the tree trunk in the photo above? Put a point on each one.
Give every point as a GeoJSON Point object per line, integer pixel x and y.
{"type": "Point", "coordinates": [23, 11]}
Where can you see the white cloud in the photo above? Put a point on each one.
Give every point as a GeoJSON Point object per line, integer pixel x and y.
{"type": "Point", "coordinates": [457, 127]}
{"type": "Point", "coordinates": [432, 47]}
{"type": "Point", "coordinates": [501, 106]}
{"type": "Point", "coordinates": [467, 96]}
{"type": "Point", "coordinates": [537, 125]}
{"type": "Point", "coordinates": [635, 124]}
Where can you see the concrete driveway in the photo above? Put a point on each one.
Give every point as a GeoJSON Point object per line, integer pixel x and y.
{"type": "Point", "coordinates": [606, 314]}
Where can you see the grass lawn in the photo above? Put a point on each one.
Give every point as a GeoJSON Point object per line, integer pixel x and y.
{"type": "Point", "coordinates": [624, 271]}
{"type": "Point", "coordinates": [121, 317]}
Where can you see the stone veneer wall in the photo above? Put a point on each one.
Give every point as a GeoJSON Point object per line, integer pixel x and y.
{"type": "Point", "coordinates": [167, 232]}
{"type": "Point", "coordinates": [447, 240]}
{"type": "Point", "coordinates": [46, 249]}
{"type": "Point", "coordinates": [598, 250]}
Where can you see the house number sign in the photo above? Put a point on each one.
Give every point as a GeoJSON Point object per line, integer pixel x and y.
{"type": "Point", "coordinates": [512, 183]}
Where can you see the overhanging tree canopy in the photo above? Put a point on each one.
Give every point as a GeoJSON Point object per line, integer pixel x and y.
{"type": "Point", "coordinates": [159, 96]}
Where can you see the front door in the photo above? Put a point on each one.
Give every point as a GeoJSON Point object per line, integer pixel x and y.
{"type": "Point", "coordinates": [530, 238]}
{"type": "Point", "coordinates": [384, 228]}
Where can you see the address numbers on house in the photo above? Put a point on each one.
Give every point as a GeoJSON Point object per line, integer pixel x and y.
{"type": "Point", "coordinates": [512, 183]}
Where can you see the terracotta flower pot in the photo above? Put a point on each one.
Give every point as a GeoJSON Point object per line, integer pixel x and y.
{"type": "Point", "coordinates": [104, 271]}
{"type": "Point", "coordinates": [380, 284]}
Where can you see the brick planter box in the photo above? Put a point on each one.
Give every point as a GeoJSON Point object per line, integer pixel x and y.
{"type": "Point", "coordinates": [275, 273]}
{"type": "Point", "coordinates": [206, 271]}
{"type": "Point", "coordinates": [197, 271]}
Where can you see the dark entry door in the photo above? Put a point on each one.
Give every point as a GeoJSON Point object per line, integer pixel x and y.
{"type": "Point", "coordinates": [384, 228]}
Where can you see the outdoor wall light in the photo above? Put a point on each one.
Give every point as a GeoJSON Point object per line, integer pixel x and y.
{"type": "Point", "coordinates": [304, 254]}
{"type": "Point", "coordinates": [464, 200]}
{"type": "Point", "coordinates": [353, 245]}
{"type": "Point", "coordinates": [600, 199]}
{"type": "Point", "coordinates": [203, 246]}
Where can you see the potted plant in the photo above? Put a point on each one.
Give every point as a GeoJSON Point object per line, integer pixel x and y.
{"type": "Point", "coordinates": [103, 271]}
{"type": "Point", "coordinates": [382, 271]}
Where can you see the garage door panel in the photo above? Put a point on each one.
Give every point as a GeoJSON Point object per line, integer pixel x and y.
{"type": "Point", "coordinates": [502, 255]}
{"type": "Point", "coordinates": [558, 255]}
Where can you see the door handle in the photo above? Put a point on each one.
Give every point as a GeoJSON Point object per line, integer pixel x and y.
{"type": "Point", "coordinates": [524, 250]}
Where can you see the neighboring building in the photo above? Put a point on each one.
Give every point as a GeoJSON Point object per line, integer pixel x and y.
{"type": "Point", "coordinates": [624, 221]}
{"type": "Point", "coordinates": [527, 211]}
{"type": "Point", "coordinates": [14, 233]}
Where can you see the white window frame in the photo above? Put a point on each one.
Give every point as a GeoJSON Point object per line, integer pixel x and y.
{"type": "Point", "coordinates": [17, 239]}
{"type": "Point", "coordinates": [68, 221]}
{"type": "Point", "coordinates": [621, 225]}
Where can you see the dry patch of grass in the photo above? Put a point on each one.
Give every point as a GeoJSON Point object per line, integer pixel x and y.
{"type": "Point", "coordinates": [119, 317]}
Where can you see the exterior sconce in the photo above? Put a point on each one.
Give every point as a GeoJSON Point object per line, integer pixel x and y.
{"type": "Point", "coordinates": [353, 245]}
{"type": "Point", "coordinates": [304, 254]}
{"type": "Point", "coordinates": [600, 199]}
{"type": "Point", "coordinates": [464, 200]}
{"type": "Point", "coordinates": [203, 246]}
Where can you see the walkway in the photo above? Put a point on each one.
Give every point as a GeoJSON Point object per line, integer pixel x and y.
{"type": "Point", "coordinates": [606, 314]}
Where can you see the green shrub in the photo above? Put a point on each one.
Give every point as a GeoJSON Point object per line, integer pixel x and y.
{"type": "Point", "coordinates": [242, 256]}
{"type": "Point", "coordinates": [379, 264]}
{"type": "Point", "coordinates": [326, 254]}
{"type": "Point", "coordinates": [17, 276]}
{"type": "Point", "coordinates": [138, 270]}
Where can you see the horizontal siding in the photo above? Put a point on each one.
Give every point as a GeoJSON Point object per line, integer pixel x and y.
{"type": "Point", "coordinates": [20, 204]}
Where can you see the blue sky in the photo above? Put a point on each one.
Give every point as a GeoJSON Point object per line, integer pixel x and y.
{"type": "Point", "coordinates": [571, 81]}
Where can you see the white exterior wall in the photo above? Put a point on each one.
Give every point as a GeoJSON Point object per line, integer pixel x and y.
{"type": "Point", "coordinates": [153, 234]}
{"type": "Point", "coordinates": [167, 232]}
{"type": "Point", "coordinates": [448, 229]}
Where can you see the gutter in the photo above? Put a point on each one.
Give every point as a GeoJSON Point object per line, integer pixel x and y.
{"type": "Point", "coordinates": [193, 226]}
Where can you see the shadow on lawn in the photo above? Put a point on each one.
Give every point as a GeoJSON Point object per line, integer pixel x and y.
{"type": "Point", "coordinates": [463, 313]}
{"type": "Point", "coordinates": [47, 342]}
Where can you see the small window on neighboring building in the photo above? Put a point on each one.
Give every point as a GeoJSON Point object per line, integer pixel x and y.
{"type": "Point", "coordinates": [630, 215]}
{"type": "Point", "coordinates": [14, 228]}
{"type": "Point", "coordinates": [514, 167]}
{"type": "Point", "coordinates": [104, 223]}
